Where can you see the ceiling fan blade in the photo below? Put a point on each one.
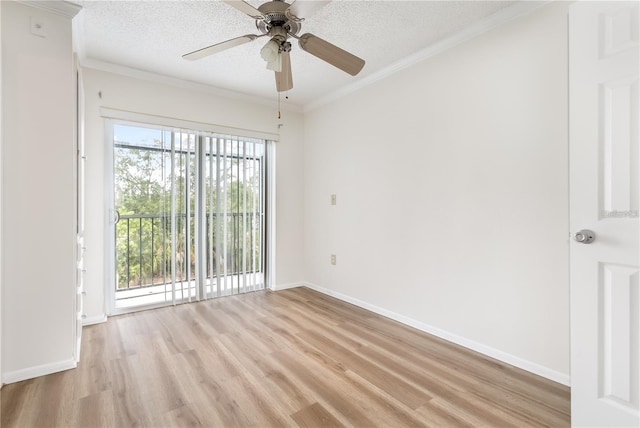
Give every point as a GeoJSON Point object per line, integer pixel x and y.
{"type": "Point", "coordinates": [219, 47]}
{"type": "Point", "coordinates": [332, 54]}
{"type": "Point", "coordinates": [302, 9]}
{"type": "Point", "coordinates": [284, 80]}
{"type": "Point", "coordinates": [245, 8]}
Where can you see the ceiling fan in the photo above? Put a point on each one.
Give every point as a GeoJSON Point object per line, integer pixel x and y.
{"type": "Point", "coordinates": [280, 21]}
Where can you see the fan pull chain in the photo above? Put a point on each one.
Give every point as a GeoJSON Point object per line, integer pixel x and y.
{"type": "Point", "coordinates": [279, 114]}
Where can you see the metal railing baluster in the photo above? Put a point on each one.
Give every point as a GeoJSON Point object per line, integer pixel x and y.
{"type": "Point", "coordinates": [148, 231]}
{"type": "Point", "coordinates": [128, 255]}
{"type": "Point", "coordinates": [152, 249]}
{"type": "Point", "coordinates": [140, 252]}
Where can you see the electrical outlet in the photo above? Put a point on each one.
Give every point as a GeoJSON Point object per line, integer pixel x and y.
{"type": "Point", "coordinates": [333, 199]}
{"type": "Point", "coordinates": [333, 259]}
{"type": "Point", "coordinates": [37, 27]}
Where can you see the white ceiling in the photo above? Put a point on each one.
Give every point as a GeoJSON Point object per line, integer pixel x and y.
{"type": "Point", "coordinates": [153, 35]}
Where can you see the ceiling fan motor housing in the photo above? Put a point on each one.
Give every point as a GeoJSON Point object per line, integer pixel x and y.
{"type": "Point", "coordinates": [275, 17]}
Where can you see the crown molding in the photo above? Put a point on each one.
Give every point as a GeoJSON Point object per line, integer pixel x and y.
{"type": "Point", "coordinates": [184, 84]}
{"type": "Point", "coordinates": [519, 9]}
{"type": "Point", "coordinates": [60, 7]}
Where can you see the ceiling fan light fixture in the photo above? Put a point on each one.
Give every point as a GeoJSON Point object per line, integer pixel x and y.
{"type": "Point", "coordinates": [271, 53]}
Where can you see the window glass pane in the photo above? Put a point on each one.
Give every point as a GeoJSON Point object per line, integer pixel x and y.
{"type": "Point", "coordinates": [173, 189]}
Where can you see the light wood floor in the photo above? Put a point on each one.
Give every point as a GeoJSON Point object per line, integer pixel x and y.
{"type": "Point", "coordinates": [291, 358]}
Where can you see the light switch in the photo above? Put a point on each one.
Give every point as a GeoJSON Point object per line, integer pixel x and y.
{"type": "Point", "coordinates": [333, 199]}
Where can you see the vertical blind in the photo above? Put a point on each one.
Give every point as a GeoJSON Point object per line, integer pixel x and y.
{"type": "Point", "coordinates": [191, 215]}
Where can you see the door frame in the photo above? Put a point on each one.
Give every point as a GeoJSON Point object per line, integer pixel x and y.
{"type": "Point", "coordinates": [113, 117]}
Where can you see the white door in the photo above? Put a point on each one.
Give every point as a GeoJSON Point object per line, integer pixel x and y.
{"type": "Point", "coordinates": [604, 190]}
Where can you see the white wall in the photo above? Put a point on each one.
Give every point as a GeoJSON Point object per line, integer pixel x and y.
{"type": "Point", "coordinates": [451, 182]}
{"type": "Point", "coordinates": [38, 236]}
{"type": "Point", "coordinates": [153, 98]}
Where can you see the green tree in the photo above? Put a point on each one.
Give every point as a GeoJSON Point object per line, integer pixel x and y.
{"type": "Point", "coordinates": [143, 185]}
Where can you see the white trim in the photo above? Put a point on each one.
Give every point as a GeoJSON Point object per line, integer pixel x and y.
{"type": "Point", "coordinates": [95, 319]}
{"type": "Point", "coordinates": [77, 34]}
{"type": "Point", "coordinates": [109, 215]}
{"type": "Point", "coordinates": [36, 371]}
{"type": "Point", "coordinates": [529, 366]}
{"type": "Point", "coordinates": [64, 8]}
{"type": "Point", "coordinates": [270, 154]}
{"type": "Point", "coordinates": [520, 8]}
{"type": "Point", "coordinates": [280, 287]}
{"type": "Point", "coordinates": [181, 83]}
{"type": "Point", "coordinates": [150, 119]}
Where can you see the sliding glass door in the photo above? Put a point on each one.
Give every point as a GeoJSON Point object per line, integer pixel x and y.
{"type": "Point", "coordinates": [188, 215]}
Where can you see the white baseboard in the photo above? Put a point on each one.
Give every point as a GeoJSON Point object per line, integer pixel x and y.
{"type": "Point", "coordinates": [94, 319]}
{"type": "Point", "coordinates": [278, 287]}
{"type": "Point", "coordinates": [529, 366]}
{"type": "Point", "coordinates": [42, 370]}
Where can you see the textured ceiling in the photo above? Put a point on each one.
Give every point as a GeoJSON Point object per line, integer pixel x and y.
{"type": "Point", "coordinates": [153, 35]}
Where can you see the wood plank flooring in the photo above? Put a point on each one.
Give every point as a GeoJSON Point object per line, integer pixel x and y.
{"type": "Point", "coordinates": [289, 358]}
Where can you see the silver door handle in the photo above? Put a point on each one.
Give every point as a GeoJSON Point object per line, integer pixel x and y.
{"type": "Point", "coordinates": [585, 236]}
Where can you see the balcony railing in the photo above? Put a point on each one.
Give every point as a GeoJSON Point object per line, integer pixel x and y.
{"type": "Point", "coordinates": [144, 248]}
